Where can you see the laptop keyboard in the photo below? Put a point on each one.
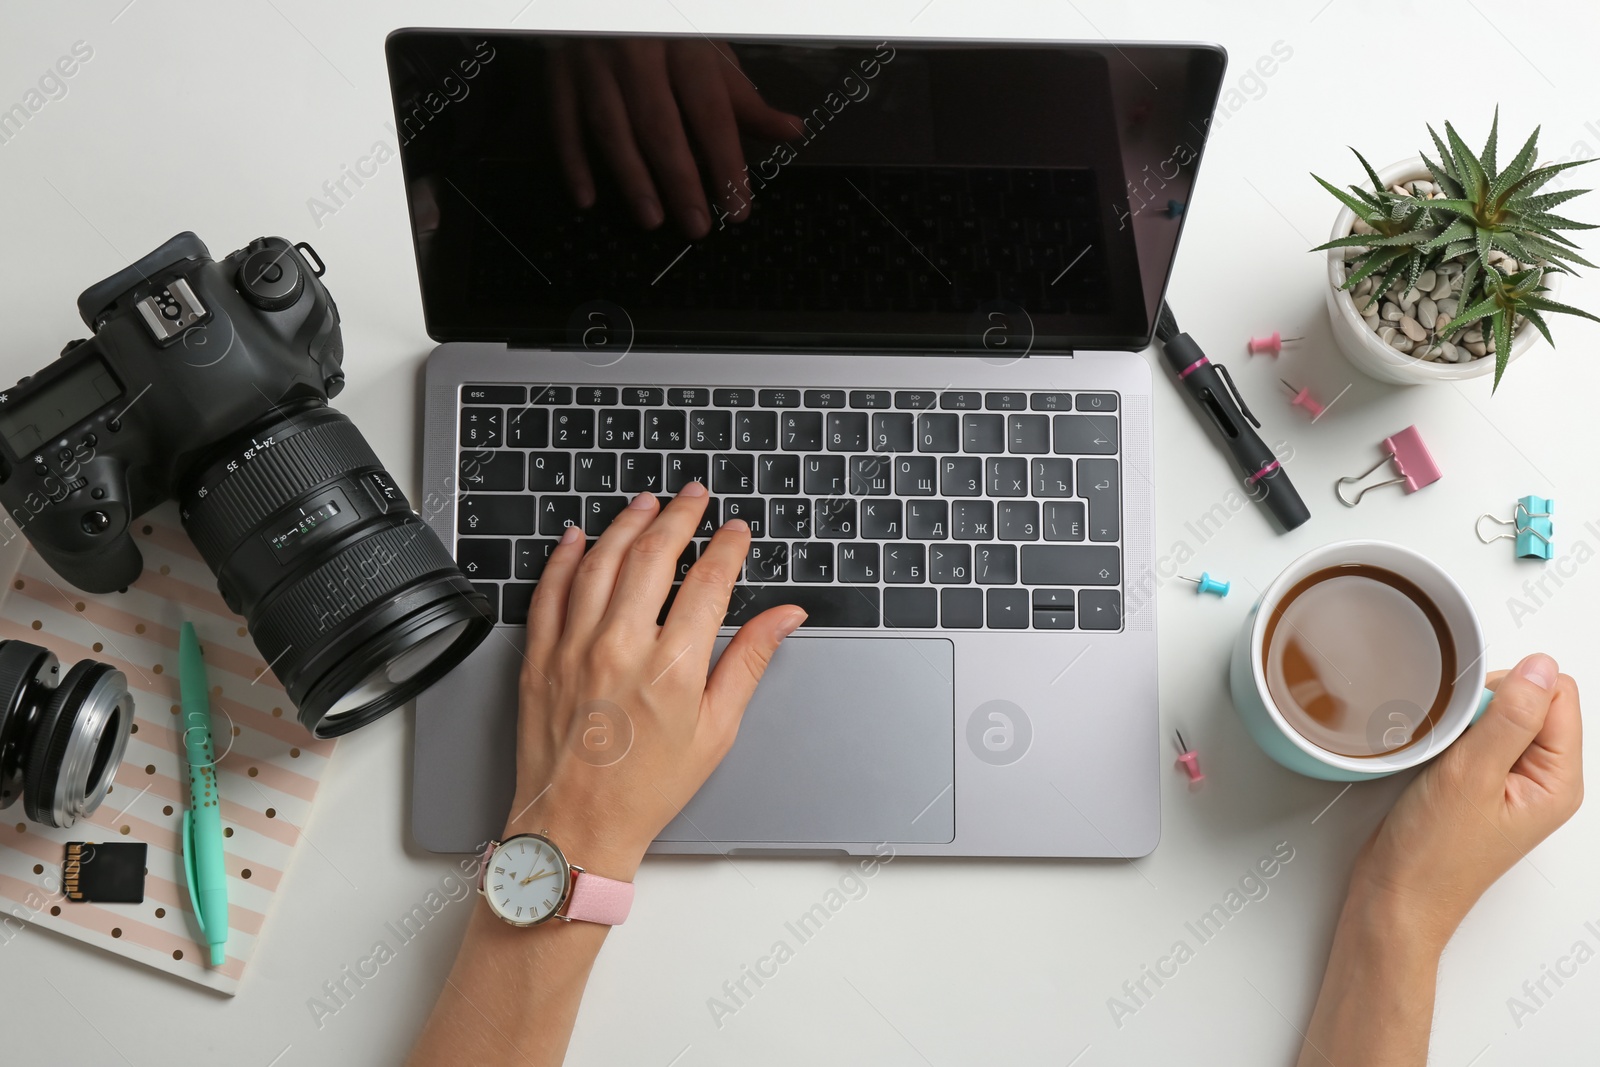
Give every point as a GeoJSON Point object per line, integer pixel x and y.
{"type": "Point", "coordinates": [870, 508]}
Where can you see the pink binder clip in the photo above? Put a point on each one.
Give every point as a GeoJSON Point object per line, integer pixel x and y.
{"type": "Point", "coordinates": [1413, 465]}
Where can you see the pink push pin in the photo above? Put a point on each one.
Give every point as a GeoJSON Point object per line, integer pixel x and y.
{"type": "Point", "coordinates": [1271, 345]}
{"type": "Point", "coordinates": [1304, 399]}
{"type": "Point", "coordinates": [1190, 760]}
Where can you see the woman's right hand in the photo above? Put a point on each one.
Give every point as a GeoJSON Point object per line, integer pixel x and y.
{"type": "Point", "coordinates": [622, 719]}
{"type": "Point", "coordinates": [1503, 787]}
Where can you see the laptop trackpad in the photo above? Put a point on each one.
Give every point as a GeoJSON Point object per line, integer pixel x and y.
{"type": "Point", "coordinates": [846, 740]}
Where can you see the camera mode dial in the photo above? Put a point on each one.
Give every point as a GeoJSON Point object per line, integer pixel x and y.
{"type": "Point", "coordinates": [270, 278]}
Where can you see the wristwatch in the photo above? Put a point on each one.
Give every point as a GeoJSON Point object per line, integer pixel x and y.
{"type": "Point", "coordinates": [527, 881]}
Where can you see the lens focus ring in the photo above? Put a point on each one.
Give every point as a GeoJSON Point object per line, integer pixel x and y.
{"type": "Point", "coordinates": [235, 503]}
{"type": "Point", "coordinates": [365, 571]}
{"type": "Point", "coordinates": [24, 678]}
{"type": "Point", "coordinates": [338, 578]}
{"type": "Point", "coordinates": [20, 665]}
{"type": "Point", "coordinates": [48, 798]}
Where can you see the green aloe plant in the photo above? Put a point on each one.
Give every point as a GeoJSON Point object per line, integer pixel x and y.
{"type": "Point", "coordinates": [1401, 226]}
{"type": "Point", "coordinates": [1482, 211]}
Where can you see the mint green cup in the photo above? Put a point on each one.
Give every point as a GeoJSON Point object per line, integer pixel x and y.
{"type": "Point", "coordinates": [1278, 739]}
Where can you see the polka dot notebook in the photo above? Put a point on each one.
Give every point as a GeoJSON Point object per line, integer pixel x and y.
{"type": "Point", "coordinates": [268, 764]}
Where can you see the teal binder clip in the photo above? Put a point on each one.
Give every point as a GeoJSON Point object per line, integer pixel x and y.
{"type": "Point", "coordinates": [1531, 528]}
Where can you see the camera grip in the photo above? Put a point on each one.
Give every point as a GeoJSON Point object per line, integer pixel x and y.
{"type": "Point", "coordinates": [114, 564]}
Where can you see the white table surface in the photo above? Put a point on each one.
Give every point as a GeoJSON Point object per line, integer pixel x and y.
{"type": "Point", "coordinates": [226, 119]}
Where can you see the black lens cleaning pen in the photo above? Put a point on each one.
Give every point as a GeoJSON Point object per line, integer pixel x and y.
{"type": "Point", "coordinates": [1213, 391]}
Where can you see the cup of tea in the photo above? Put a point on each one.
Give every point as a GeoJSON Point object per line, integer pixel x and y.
{"type": "Point", "coordinates": [1361, 659]}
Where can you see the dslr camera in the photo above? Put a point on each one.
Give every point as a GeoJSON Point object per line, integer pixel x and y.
{"type": "Point", "coordinates": [208, 381]}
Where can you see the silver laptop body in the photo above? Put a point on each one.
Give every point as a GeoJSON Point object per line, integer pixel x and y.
{"type": "Point", "coordinates": [1020, 720]}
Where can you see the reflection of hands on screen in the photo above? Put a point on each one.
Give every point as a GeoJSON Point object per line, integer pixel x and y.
{"type": "Point", "coordinates": [642, 100]}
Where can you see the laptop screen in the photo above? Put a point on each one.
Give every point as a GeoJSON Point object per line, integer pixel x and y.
{"type": "Point", "coordinates": [784, 194]}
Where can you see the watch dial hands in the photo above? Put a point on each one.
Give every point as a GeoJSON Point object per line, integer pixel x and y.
{"type": "Point", "coordinates": [531, 898]}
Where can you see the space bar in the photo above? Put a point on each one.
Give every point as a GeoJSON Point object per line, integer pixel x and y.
{"type": "Point", "coordinates": [855, 606]}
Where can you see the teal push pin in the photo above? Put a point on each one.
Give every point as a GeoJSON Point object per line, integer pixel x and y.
{"type": "Point", "coordinates": [1175, 208]}
{"type": "Point", "coordinates": [1207, 584]}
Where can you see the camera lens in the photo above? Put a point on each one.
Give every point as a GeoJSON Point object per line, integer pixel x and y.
{"type": "Point", "coordinates": [61, 739]}
{"type": "Point", "coordinates": [352, 600]}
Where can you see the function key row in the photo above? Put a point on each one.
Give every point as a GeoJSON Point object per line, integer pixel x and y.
{"type": "Point", "coordinates": [867, 399]}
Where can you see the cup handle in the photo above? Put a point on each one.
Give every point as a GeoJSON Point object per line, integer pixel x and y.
{"type": "Point", "coordinates": [1483, 704]}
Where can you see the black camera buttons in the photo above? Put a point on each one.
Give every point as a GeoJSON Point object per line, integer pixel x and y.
{"type": "Point", "coordinates": [271, 279]}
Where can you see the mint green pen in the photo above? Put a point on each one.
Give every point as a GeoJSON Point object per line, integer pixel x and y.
{"type": "Point", "coordinates": [202, 823]}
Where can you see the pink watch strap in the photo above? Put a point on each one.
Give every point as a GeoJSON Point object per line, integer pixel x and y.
{"type": "Point", "coordinates": [599, 900]}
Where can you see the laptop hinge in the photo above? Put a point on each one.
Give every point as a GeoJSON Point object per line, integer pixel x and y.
{"type": "Point", "coordinates": [513, 346]}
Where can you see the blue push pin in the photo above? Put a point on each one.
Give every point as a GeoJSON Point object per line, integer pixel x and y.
{"type": "Point", "coordinates": [1207, 584]}
{"type": "Point", "coordinates": [1174, 208]}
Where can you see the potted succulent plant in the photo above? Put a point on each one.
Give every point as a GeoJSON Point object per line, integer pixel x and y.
{"type": "Point", "coordinates": [1441, 265]}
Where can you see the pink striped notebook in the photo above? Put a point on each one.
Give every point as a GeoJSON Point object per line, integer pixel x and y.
{"type": "Point", "coordinates": [268, 764]}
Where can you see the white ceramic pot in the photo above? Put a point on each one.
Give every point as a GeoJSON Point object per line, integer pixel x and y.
{"type": "Point", "coordinates": [1363, 348]}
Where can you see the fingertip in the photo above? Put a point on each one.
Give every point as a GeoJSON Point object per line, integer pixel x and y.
{"type": "Point", "coordinates": [737, 526]}
{"type": "Point", "coordinates": [648, 210]}
{"type": "Point", "coordinates": [1522, 707]}
{"type": "Point", "coordinates": [1565, 703]}
{"type": "Point", "coordinates": [1539, 669]}
{"type": "Point", "coordinates": [693, 489]}
{"type": "Point", "coordinates": [790, 623]}
{"type": "Point", "coordinates": [696, 223]}
{"type": "Point", "coordinates": [571, 536]}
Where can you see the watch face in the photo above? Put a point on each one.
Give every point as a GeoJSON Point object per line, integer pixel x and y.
{"type": "Point", "coordinates": [527, 880]}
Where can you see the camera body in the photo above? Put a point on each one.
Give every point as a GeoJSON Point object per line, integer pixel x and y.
{"type": "Point", "coordinates": [187, 351]}
{"type": "Point", "coordinates": [208, 381]}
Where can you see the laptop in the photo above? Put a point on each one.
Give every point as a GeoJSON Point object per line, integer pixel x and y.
{"type": "Point", "coordinates": [887, 299]}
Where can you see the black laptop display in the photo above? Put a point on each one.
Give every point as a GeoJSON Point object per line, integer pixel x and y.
{"type": "Point", "coordinates": [890, 196]}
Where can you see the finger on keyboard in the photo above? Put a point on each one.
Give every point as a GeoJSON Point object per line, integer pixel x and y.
{"type": "Point", "coordinates": [651, 564]}
{"type": "Point", "coordinates": [595, 584]}
{"type": "Point", "coordinates": [702, 600]}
